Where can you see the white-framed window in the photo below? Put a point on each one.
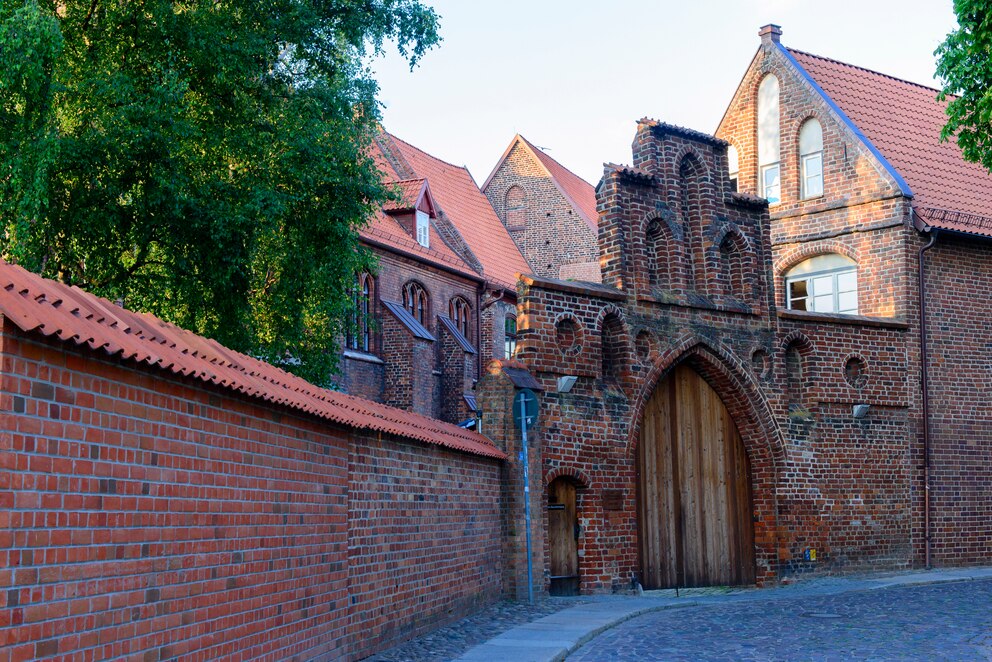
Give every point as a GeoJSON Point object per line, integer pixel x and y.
{"type": "Point", "coordinates": [509, 336]}
{"type": "Point", "coordinates": [771, 183]}
{"type": "Point", "coordinates": [423, 229]}
{"type": "Point", "coordinates": [733, 166]}
{"type": "Point", "coordinates": [823, 284]}
{"type": "Point", "coordinates": [811, 159]}
{"type": "Point", "coordinates": [769, 138]}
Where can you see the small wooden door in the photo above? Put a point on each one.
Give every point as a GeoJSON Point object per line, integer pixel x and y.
{"type": "Point", "coordinates": [694, 492]}
{"type": "Point", "coordinates": [563, 534]}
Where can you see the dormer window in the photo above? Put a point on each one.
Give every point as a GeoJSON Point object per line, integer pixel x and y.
{"type": "Point", "coordinates": [423, 229]}
{"type": "Point", "coordinates": [811, 159]}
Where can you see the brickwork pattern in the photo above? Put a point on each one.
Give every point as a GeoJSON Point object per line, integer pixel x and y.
{"type": "Point", "coordinates": [548, 231]}
{"type": "Point", "coordinates": [145, 516]}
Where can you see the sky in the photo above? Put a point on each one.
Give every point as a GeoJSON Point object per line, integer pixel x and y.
{"type": "Point", "coordinates": [574, 77]}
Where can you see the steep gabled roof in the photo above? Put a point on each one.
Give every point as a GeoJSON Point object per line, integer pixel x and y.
{"type": "Point", "coordinates": [903, 121]}
{"type": "Point", "coordinates": [463, 204]}
{"type": "Point", "coordinates": [52, 309]}
{"type": "Point", "coordinates": [384, 231]}
{"type": "Point", "coordinates": [579, 193]}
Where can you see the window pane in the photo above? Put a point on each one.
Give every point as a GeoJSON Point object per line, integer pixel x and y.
{"type": "Point", "coordinates": [824, 304]}
{"type": "Point", "coordinates": [798, 304]}
{"type": "Point", "coordinates": [823, 285]}
{"type": "Point", "coordinates": [848, 302]}
{"type": "Point", "coordinates": [771, 183]}
{"type": "Point", "coordinates": [812, 176]}
{"type": "Point", "coordinates": [847, 282]}
{"type": "Point", "coordinates": [798, 288]}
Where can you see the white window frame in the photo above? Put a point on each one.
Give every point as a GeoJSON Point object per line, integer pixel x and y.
{"type": "Point", "coordinates": [812, 276]}
{"type": "Point", "coordinates": [423, 229]}
{"type": "Point", "coordinates": [809, 175]}
{"type": "Point", "coordinates": [766, 188]}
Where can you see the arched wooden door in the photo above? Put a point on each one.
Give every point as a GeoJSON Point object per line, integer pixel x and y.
{"type": "Point", "coordinates": [694, 496]}
{"type": "Point", "coordinates": [563, 536]}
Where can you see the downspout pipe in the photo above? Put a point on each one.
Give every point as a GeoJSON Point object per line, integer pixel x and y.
{"type": "Point", "coordinates": [925, 383]}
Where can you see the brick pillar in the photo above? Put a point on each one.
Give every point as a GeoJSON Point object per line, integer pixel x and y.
{"type": "Point", "coordinates": [495, 393]}
{"type": "Point", "coordinates": [457, 373]}
{"type": "Point", "coordinates": [409, 366]}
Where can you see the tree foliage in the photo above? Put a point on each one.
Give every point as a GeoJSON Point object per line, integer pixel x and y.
{"type": "Point", "coordinates": [203, 160]}
{"type": "Point", "coordinates": [964, 64]}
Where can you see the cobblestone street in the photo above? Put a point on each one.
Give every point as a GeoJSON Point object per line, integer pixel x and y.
{"type": "Point", "coordinates": [950, 621]}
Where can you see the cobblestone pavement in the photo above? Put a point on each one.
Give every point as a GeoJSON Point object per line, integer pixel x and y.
{"type": "Point", "coordinates": [949, 621]}
{"type": "Point", "coordinates": [450, 642]}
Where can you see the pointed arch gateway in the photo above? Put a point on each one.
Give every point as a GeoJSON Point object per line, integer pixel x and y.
{"type": "Point", "coordinates": [697, 514]}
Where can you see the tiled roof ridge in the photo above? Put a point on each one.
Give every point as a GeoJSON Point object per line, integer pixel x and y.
{"type": "Point", "coordinates": [630, 170]}
{"type": "Point", "coordinates": [560, 164]}
{"type": "Point", "coordinates": [399, 164]}
{"type": "Point", "coordinates": [681, 130]}
{"type": "Point", "coordinates": [69, 314]}
{"type": "Point", "coordinates": [865, 69]}
{"type": "Point", "coordinates": [592, 221]}
{"type": "Point", "coordinates": [412, 146]}
{"type": "Point", "coordinates": [388, 242]}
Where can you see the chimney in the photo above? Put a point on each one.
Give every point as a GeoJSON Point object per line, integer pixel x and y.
{"type": "Point", "coordinates": [770, 33]}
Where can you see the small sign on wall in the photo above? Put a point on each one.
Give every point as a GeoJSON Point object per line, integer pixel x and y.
{"type": "Point", "coordinates": [612, 499]}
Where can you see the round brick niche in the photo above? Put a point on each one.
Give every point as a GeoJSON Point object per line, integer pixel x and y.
{"type": "Point", "coordinates": [760, 363]}
{"type": "Point", "coordinates": [856, 372]}
{"type": "Point", "coordinates": [568, 336]}
{"type": "Point", "coordinates": [644, 345]}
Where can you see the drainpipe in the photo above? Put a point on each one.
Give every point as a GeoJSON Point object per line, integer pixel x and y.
{"type": "Point", "coordinates": [926, 392]}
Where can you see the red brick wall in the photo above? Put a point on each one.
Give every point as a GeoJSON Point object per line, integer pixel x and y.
{"type": "Point", "coordinates": [821, 479]}
{"type": "Point", "coordinates": [422, 540]}
{"type": "Point", "coordinates": [959, 289]}
{"type": "Point", "coordinates": [548, 231]}
{"type": "Point", "coordinates": [148, 516]}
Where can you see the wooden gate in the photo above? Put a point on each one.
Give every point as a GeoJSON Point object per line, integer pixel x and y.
{"type": "Point", "coordinates": [694, 492]}
{"type": "Point", "coordinates": [563, 538]}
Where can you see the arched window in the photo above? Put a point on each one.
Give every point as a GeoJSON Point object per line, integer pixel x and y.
{"type": "Point", "coordinates": [732, 274]}
{"type": "Point", "coordinates": [614, 356]}
{"type": "Point", "coordinates": [733, 166]}
{"type": "Point", "coordinates": [823, 284]}
{"type": "Point", "coordinates": [769, 172]}
{"type": "Point", "coordinates": [415, 300]}
{"type": "Point", "coordinates": [811, 158]}
{"type": "Point", "coordinates": [360, 335]}
{"type": "Point", "coordinates": [509, 336]}
{"type": "Point", "coordinates": [460, 314]}
{"type": "Point", "coordinates": [516, 208]}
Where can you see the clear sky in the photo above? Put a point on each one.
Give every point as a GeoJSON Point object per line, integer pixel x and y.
{"type": "Point", "coordinates": [574, 77]}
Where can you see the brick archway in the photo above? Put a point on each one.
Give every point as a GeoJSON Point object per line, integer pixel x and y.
{"type": "Point", "coordinates": [761, 436]}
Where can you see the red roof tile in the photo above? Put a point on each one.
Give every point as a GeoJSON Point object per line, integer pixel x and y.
{"type": "Point", "coordinates": [458, 196]}
{"type": "Point", "coordinates": [580, 193]}
{"type": "Point", "coordinates": [38, 305]}
{"type": "Point", "coordinates": [903, 120]}
{"type": "Point", "coordinates": [410, 190]}
{"type": "Point", "coordinates": [383, 230]}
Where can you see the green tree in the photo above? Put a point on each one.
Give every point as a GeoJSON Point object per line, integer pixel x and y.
{"type": "Point", "coordinates": [964, 64]}
{"type": "Point", "coordinates": [204, 160]}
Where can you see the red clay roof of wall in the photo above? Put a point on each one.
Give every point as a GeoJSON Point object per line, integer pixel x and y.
{"type": "Point", "coordinates": [38, 305]}
{"type": "Point", "coordinates": [903, 120]}
{"type": "Point", "coordinates": [578, 191]}
{"type": "Point", "coordinates": [469, 211]}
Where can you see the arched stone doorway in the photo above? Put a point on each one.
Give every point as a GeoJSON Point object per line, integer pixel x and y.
{"type": "Point", "coordinates": [694, 488]}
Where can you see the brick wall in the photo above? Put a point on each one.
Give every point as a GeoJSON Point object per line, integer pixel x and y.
{"type": "Point", "coordinates": [548, 231]}
{"type": "Point", "coordinates": [820, 478]}
{"type": "Point", "coordinates": [959, 289]}
{"type": "Point", "coordinates": [422, 549]}
{"type": "Point", "coordinates": [147, 516]}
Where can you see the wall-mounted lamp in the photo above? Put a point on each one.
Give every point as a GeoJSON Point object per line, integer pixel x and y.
{"type": "Point", "coordinates": [566, 383]}
{"type": "Point", "coordinates": [860, 411]}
